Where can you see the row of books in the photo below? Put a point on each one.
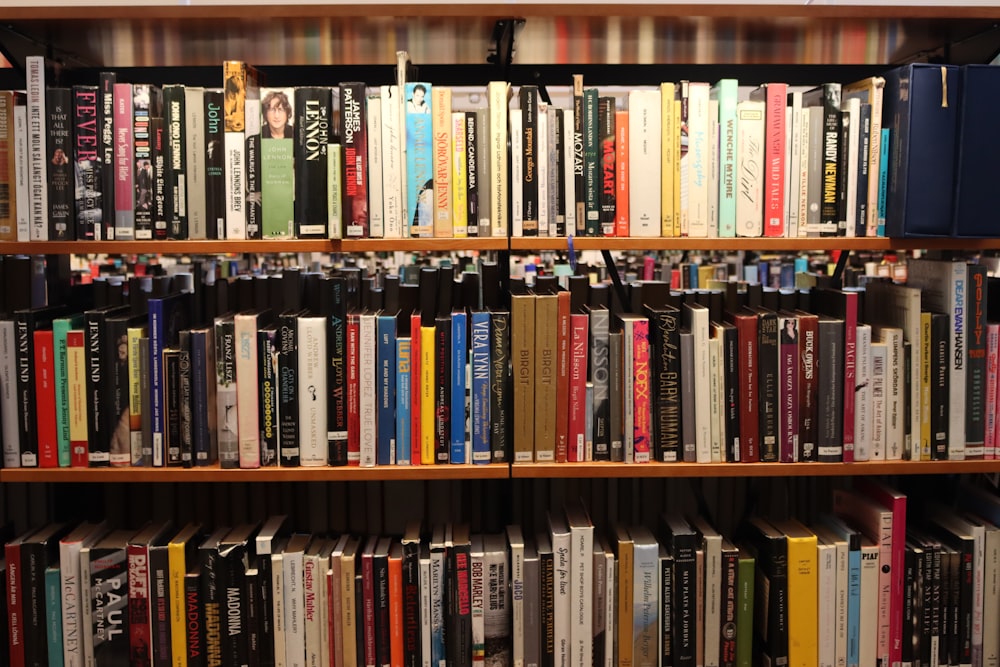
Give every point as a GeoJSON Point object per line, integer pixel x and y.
{"type": "Point", "coordinates": [873, 582]}
{"type": "Point", "coordinates": [134, 161]}
{"type": "Point", "coordinates": [346, 369]}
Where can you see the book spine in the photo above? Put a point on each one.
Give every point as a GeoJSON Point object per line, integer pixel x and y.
{"type": "Point", "coordinates": [15, 605]}
{"type": "Point", "coordinates": [544, 368]}
{"type": "Point", "coordinates": [76, 365]}
{"type": "Point", "coordinates": [124, 155]}
{"type": "Point", "coordinates": [830, 423]}
{"type": "Point", "coordinates": [288, 398]}
{"type": "Point", "coordinates": [480, 389]}
{"type": "Point", "coordinates": [529, 160]}
{"type": "Point", "coordinates": [442, 159]}
{"type": "Point", "coordinates": [850, 374]}
{"type": "Point", "coordinates": [45, 400]}
{"type": "Point", "coordinates": [591, 152]}
{"type": "Point", "coordinates": [247, 390]}
{"type": "Point", "coordinates": [378, 194]}
{"type": "Point", "coordinates": [774, 156]}
{"type": "Point", "coordinates": [26, 399]}
{"type": "Point", "coordinates": [420, 159]}
{"type": "Point", "coordinates": [38, 153]}
{"type": "Point", "coordinates": [355, 142]}
{"type": "Point", "coordinates": [500, 383]}
{"type": "Point", "coordinates": [157, 139]}
{"type": "Point", "coordinates": [367, 390]}
{"type": "Point", "coordinates": [831, 130]}
{"type": "Point", "coordinates": [267, 355]}
{"type": "Point", "coordinates": [644, 208]}
{"type": "Point", "coordinates": [20, 170]}
{"type": "Point", "coordinates": [404, 400]}
{"type": "Point", "coordinates": [666, 387]}
{"type": "Point", "coordinates": [277, 159]}
{"type": "Point", "coordinates": [442, 389]}
{"type": "Point", "coordinates": [235, 75]}
{"type": "Point", "coordinates": [194, 161]}
{"type": "Point", "coordinates": [975, 372]}
{"type": "Point", "coordinates": [392, 153]}
{"type": "Point", "coordinates": [353, 391]}
{"type": "Point", "coordinates": [385, 383]}
{"type": "Point", "coordinates": [474, 186]}
{"type": "Point", "coordinates": [522, 345]}
{"type": "Point", "coordinates": [109, 578]}
{"type": "Point", "coordinates": [600, 376]}
{"type": "Point", "coordinates": [623, 149]}
{"type": "Point", "coordinates": [141, 160]}
{"type": "Point", "coordinates": [749, 412]}
{"type": "Point", "coordinates": [311, 345]}
{"type": "Point", "coordinates": [499, 215]}
{"type": "Point", "coordinates": [116, 373]}
{"type": "Point", "coordinates": [436, 602]}
{"type": "Point", "coordinates": [175, 163]}
{"type": "Point", "coordinates": [862, 407]}
{"type": "Point", "coordinates": [640, 371]}
{"type": "Point", "coordinates": [697, 160]}
{"type": "Point", "coordinates": [606, 194]}
{"type": "Point", "coordinates": [459, 408]}
{"type": "Point", "coordinates": [312, 108]}
{"type": "Point", "coordinates": [337, 378]}
{"type": "Point", "coordinates": [226, 393]}
{"type": "Point", "coordinates": [252, 158]}
{"type": "Point", "coordinates": [104, 165]}
{"type": "Point", "coordinates": [749, 153]}
{"type": "Point", "coordinates": [579, 346]}
{"type": "Point", "coordinates": [215, 166]}
{"type": "Point", "coordinates": [138, 605]}
{"type": "Point", "coordinates": [459, 176]}
{"type": "Point", "coordinates": [86, 162]}
{"type": "Point", "coordinates": [204, 443]}
{"type": "Point", "coordinates": [620, 408]}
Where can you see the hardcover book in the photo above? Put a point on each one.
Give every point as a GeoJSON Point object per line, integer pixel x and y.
{"type": "Point", "coordinates": [312, 121]}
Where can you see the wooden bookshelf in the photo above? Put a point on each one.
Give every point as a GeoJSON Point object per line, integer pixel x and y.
{"type": "Point", "coordinates": [536, 243]}
{"type": "Point", "coordinates": [424, 245]}
{"type": "Point", "coordinates": [260, 246]}
{"type": "Point", "coordinates": [217, 474]}
{"type": "Point", "coordinates": [707, 470]}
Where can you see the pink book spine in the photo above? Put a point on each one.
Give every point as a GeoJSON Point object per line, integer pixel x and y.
{"type": "Point", "coordinates": [579, 337]}
{"type": "Point", "coordinates": [642, 385]}
{"type": "Point", "coordinates": [789, 402]}
{"type": "Point", "coordinates": [774, 154]}
{"type": "Point", "coordinates": [124, 206]}
{"type": "Point", "coordinates": [353, 395]}
{"type": "Point", "coordinates": [992, 351]}
{"type": "Point", "coordinates": [850, 371]}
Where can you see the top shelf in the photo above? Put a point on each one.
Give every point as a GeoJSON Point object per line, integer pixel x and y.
{"type": "Point", "coordinates": [242, 9]}
{"type": "Point", "coordinates": [521, 244]}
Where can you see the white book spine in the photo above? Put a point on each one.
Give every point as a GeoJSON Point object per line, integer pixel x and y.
{"type": "Point", "coordinates": [367, 370]}
{"type": "Point", "coordinates": [570, 180]}
{"type": "Point", "coordinates": [749, 169]}
{"type": "Point", "coordinates": [582, 595]}
{"type": "Point", "coordinates": [376, 197]}
{"type": "Point", "coordinates": [392, 181]}
{"type": "Point", "coordinates": [894, 409]}
{"type": "Point", "coordinates": [194, 149]}
{"type": "Point", "coordinates": [554, 142]}
{"type": "Point", "coordinates": [702, 386]}
{"type": "Point", "coordinates": [312, 390]}
{"type": "Point", "coordinates": [517, 599]}
{"type": "Point", "coordinates": [715, 405]}
{"type": "Point", "coordinates": [516, 182]}
{"type": "Point", "coordinates": [789, 206]}
{"type": "Point", "coordinates": [699, 146]}
{"type": "Point", "coordinates": [713, 598]}
{"type": "Point", "coordinates": [460, 176]}
{"type": "Point", "coordinates": [236, 215]}
{"type": "Point", "coordinates": [562, 605]}
{"type": "Point", "coordinates": [991, 599]}
{"type": "Point", "coordinates": [247, 388]}
{"type": "Point", "coordinates": [827, 594]}
{"type": "Point", "coordinates": [843, 576]}
{"type": "Point", "coordinates": [862, 402]}
{"type": "Point", "coordinates": [802, 192]}
{"type": "Point", "coordinates": [878, 402]}
{"type": "Point", "coordinates": [978, 592]}
{"type": "Point", "coordinates": [278, 607]}
{"type": "Point", "coordinates": [22, 172]}
{"type": "Point", "coordinates": [713, 168]}
{"type": "Point", "coordinates": [8, 396]}
{"type": "Point", "coordinates": [868, 646]}
{"type": "Point", "coordinates": [543, 169]}
{"type": "Point", "coordinates": [325, 575]}
{"type": "Point", "coordinates": [852, 119]}
{"type": "Point", "coordinates": [295, 645]}
{"type": "Point", "coordinates": [38, 181]}
{"type": "Point", "coordinates": [793, 123]}
{"type": "Point", "coordinates": [334, 194]}
{"type": "Point", "coordinates": [498, 92]}
{"type": "Point", "coordinates": [311, 616]}
{"type": "Point", "coordinates": [425, 611]}
{"type": "Point", "coordinates": [69, 573]}
{"type": "Point", "coordinates": [644, 129]}
{"type": "Point", "coordinates": [477, 587]}
{"type": "Point", "coordinates": [645, 598]}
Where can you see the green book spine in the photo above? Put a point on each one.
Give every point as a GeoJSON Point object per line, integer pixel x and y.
{"type": "Point", "coordinates": [59, 329]}
{"type": "Point", "coordinates": [277, 156]}
{"type": "Point", "coordinates": [53, 615]}
{"type": "Point", "coordinates": [744, 610]}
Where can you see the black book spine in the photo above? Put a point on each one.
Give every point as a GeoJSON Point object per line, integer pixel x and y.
{"type": "Point", "coordinates": [33, 564]}
{"type": "Point", "coordinates": [233, 608]}
{"type": "Point", "coordinates": [86, 161]}
{"type": "Point", "coordinates": [500, 386]}
{"type": "Point", "coordinates": [194, 619]}
{"type": "Point", "coordinates": [157, 155]}
{"type": "Point", "coordinates": [606, 128]}
{"type": "Point", "coordinates": [212, 596]}
{"type": "Point", "coordinates": [844, 142]}
{"type": "Point", "coordinates": [666, 612]}
{"type": "Point", "coordinates": [731, 371]}
{"type": "Point", "coordinates": [312, 131]}
{"type": "Point", "coordinates": [380, 567]}
{"type": "Point", "coordinates": [546, 563]}
{"type": "Point", "coordinates": [288, 402]}
{"type": "Point", "coordinates": [932, 600]}
{"type": "Point", "coordinates": [578, 161]}
{"type": "Point", "coordinates": [591, 162]}
{"type": "Point", "coordinates": [975, 357]}
{"type": "Point", "coordinates": [175, 162]}
{"type": "Point", "coordinates": [215, 177]}
{"type": "Point", "coordinates": [666, 386]}
{"type": "Point", "coordinates": [442, 392]}
{"type": "Point", "coordinates": [965, 601]}
{"type": "Point", "coordinates": [940, 342]}
{"type": "Point", "coordinates": [116, 392]}
{"type": "Point", "coordinates": [472, 160]}
{"type": "Point", "coordinates": [529, 159]}
{"type": "Point", "coordinates": [616, 390]}
{"type": "Point", "coordinates": [159, 594]}
{"type": "Point", "coordinates": [185, 386]}
{"type": "Point", "coordinates": [560, 175]}
{"type": "Point", "coordinates": [267, 349]}
{"type": "Point", "coordinates": [106, 155]}
{"type": "Point", "coordinates": [778, 602]}
{"type": "Point", "coordinates": [910, 579]}
{"type": "Point", "coordinates": [253, 608]}
{"type": "Point", "coordinates": [458, 629]}
{"type": "Point", "coordinates": [59, 130]}
{"type": "Point", "coordinates": [337, 375]}
{"type": "Point", "coordinates": [412, 656]}
{"type": "Point", "coordinates": [951, 604]}
{"type": "Point", "coordinates": [354, 158]}
{"type": "Point", "coordinates": [727, 638]}
{"type": "Point", "coordinates": [226, 406]}
{"type": "Point", "coordinates": [109, 584]}
{"type": "Point", "coordinates": [265, 620]}
{"type": "Point", "coordinates": [830, 391]}
{"type": "Point", "coordinates": [832, 129]}
{"type": "Point", "coordinates": [254, 203]}
{"type": "Point", "coordinates": [25, 340]}
{"type": "Point", "coordinates": [203, 422]}
{"type": "Point", "coordinates": [864, 132]}
{"type": "Point", "coordinates": [143, 164]}
{"type": "Point", "coordinates": [685, 595]}
{"type": "Point", "coordinates": [767, 351]}
{"type": "Point", "coordinates": [172, 405]}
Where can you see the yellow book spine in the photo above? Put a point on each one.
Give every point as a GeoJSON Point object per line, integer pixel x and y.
{"type": "Point", "coordinates": [625, 566]}
{"type": "Point", "coordinates": [178, 629]}
{"type": "Point", "coordinates": [135, 390]}
{"type": "Point", "coordinates": [76, 380]}
{"type": "Point", "coordinates": [441, 130]}
{"type": "Point", "coordinates": [460, 205]}
{"type": "Point", "coordinates": [803, 609]}
{"type": "Point", "coordinates": [427, 395]}
{"type": "Point", "coordinates": [925, 386]}
{"type": "Point", "coordinates": [667, 159]}
{"type": "Point", "coordinates": [675, 135]}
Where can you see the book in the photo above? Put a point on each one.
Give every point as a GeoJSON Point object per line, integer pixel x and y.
{"type": "Point", "coordinates": [312, 120]}
{"type": "Point", "coordinates": [354, 156]}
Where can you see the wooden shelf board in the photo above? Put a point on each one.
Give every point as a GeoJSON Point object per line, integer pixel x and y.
{"type": "Point", "coordinates": [267, 9]}
{"type": "Point", "coordinates": [429, 245]}
{"type": "Point", "coordinates": [216, 474]}
{"type": "Point", "coordinates": [651, 470]}
{"type": "Point", "coordinates": [790, 245]}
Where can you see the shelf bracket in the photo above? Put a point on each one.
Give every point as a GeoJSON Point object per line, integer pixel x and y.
{"type": "Point", "coordinates": [616, 280]}
{"type": "Point", "coordinates": [838, 272]}
{"type": "Point", "coordinates": [501, 51]}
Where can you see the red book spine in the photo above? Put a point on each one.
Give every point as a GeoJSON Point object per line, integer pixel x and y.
{"type": "Point", "coordinates": [45, 399]}
{"type": "Point", "coordinates": [621, 174]}
{"type": "Point", "coordinates": [124, 223]}
{"type": "Point", "coordinates": [562, 376]}
{"type": "Point", "coordinates": [580, 335]}
{"type": "Point", "coordinates": [774, 155]}
{"type": "Point", "coordinates": [353, 394]}
{"type": "Point", "coordinates": [15, 620]}
{"type": "Point", "coordinates": [850, 371]}
{"type": "Point", "coordinates": [642, 411]}
{"type": "Point", "coordinates": [139, 634]}
{"type": "Point", "coordinates": [415, 442]}
{"type": "Point", "coordinates": [396, 608]}
{"type": "Point", "coordinates": [749, 410]}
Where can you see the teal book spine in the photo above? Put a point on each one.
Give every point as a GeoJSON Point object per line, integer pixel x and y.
{"type": "Point", "coordinates": [883, 179]}
{"type": "Point", "coordinates": [725, 91]}
{"type": "Point", "coordinates": [419, 160]}
{"type": "Point", "coordinates": [60, 328]}
{"type": "Point", "coordinates": [53, 615]}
